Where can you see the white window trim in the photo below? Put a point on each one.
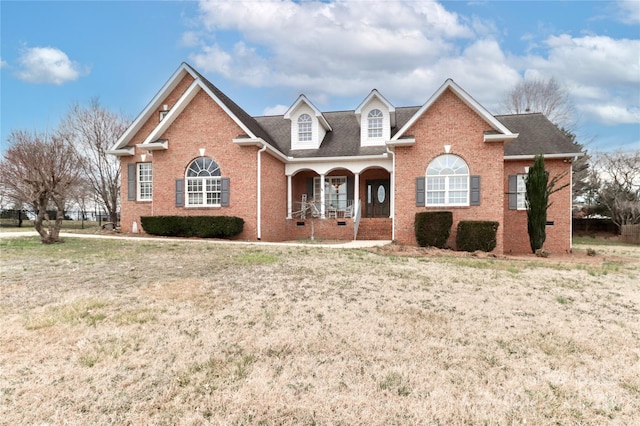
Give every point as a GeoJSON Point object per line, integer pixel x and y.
{"type": "Point", "coordinates": [521, 190]}
{"type": "Point", "coordinates": [140, 181]}
{"type": "Point", "coordinates": [447, 187]}
{"type": "Point", "coordinates": [330, 194]}
{"type": "Point", "coordinates": [379, 118]}
{"type": "Point", "coordinates": [202, 180]}
{"type": "Point", "coordinates": [308, 134]}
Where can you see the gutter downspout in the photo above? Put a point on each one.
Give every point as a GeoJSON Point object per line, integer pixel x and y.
{"type": "Point", "coordinates": [393, 192]}
{"type": "Point", "coordinates": [259, 186]}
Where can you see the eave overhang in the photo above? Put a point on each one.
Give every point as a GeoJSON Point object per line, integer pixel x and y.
{"type": "Point", "coordinates": [122, 152]}
{"type": "Point", "coordinates": [497, 137]}
{"type": "Point", "coordinates": [570, 155]}
{"type": "Point", "coordinates": [408, 141]}
{"type": "Point", "coordinates": [260, 143]}
{"type": "Point", "coordinates": [159, 145]}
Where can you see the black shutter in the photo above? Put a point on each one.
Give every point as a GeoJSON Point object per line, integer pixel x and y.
{"type": "Point", "coordinates": [224, 192]}
{"type": "Point", "coordinates": [513, 192]}
{"type": "Point", "coordinates": [420, 192]}
{"type": "Point", "coordinates": [131, 182]}
{"type": "Point", "coordinates": [179, 192]}
{"type": "Point", "coordinates": [475, 190]}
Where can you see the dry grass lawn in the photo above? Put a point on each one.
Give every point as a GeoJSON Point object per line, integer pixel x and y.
{"type": "Point", "coordinates": [189, 333]}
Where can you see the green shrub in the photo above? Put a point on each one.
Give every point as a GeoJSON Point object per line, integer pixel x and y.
{"type": "Point", "coordinates": [433, 228]}
{"type": "Point", "coordinates": [193, 226]}
{"type": "Point", "coordinates": [475, 235]}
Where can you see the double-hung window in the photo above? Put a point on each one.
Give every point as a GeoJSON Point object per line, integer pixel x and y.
{"type": "Point", "coordinates": [375, 123]}
{"type": "Point", "coordinates": [335, 191]}
{"type": "Point", "coordinates": [304, 128]}
{"type": "Point", "coordinates": [145, 181]}
{"type": "Point", "coordinates": [521, 191]}
{"type": "Point", "coordinates": [204, 185]}
{"type": "Point", "coordinates": [447, 181]}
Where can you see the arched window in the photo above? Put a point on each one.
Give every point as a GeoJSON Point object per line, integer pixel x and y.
{"type": "Point", "coordinates": [375, 123]}
{"type": "Point", "coordinates": [447, 181]}
{"type": "Point", "coordinates": [304, 128]}
{"type": "Point", "coordinates": [204, 186]}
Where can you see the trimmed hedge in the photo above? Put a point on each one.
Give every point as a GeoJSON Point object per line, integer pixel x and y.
{"type": "Point", "coordinates": [475, 235]}
{"type": "Point", "coordinates": [433, 228]}
{"type": "Point", "coordinates": [193, 226]}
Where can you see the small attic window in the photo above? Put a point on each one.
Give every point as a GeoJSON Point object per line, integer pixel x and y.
{"type": "Point", "coordinates": [304, 128]}
{"type": "Point", "coordinates": [375, 123]}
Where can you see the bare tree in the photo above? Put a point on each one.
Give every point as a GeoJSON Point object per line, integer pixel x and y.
{"type": "Point", "coordinates": [42, 171]}
{"type": "Point", "coordinates": [618, 173]}
{"type": "Point", "coordinates": [539, 95]}
{"type": "Point", "coordinates": [91, 131]}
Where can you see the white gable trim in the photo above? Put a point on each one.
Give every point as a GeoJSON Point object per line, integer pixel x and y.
{"type": "Point", "coordinates": [152, 106]}
{"type": "Point", "coordinates": [375, 94]}
{"type": "Point", "coordinates": [467, 99]}
{"type": "Point", "coordinates": [303, 99]}
{"type": "Point", "coordinates": [182, 103]}
{"type": "Point", "coordinates": [173, 113]}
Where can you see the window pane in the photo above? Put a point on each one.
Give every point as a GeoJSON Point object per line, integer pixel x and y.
{"type": "Point", "coordinates": [434, 198]}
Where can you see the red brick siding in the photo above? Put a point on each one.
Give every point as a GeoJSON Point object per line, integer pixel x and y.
{"type": "Point", "coordinates": [274, 198]}
{"type": "Point", "coordinates": [449, 121]}
{"type": "Point", "coordinates": [202, 124]}
{"type": "Point", "coordinates": [559, 234]}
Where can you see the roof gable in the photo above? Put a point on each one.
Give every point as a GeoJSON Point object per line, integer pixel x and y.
{"type": "Point", "coordinates": [375, 95]}
{"type": "Point", "coordinates": [501, 131]}
{"type": "Point", "coordinates": [302, 99]}
{"type": "Point", "coordinates": [247, 123]}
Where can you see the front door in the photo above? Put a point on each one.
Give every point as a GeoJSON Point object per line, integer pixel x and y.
{"type": "Point", "coordinates": [378, 198]}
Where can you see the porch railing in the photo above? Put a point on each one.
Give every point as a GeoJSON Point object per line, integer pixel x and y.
{"type": "Point", "coordinates": [307, 209]}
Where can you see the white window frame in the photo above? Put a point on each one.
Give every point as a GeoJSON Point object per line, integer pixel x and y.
{"type": "Point", "coordinates": [144, 178]}
{"type": "Point", "coordinates": [375, 124]}
{"type": "Point", "coordinates": [203, 186]}
{"type": "Point", "coordinates": [521, 191]}
{"type": "Point", "coordinates": [332, 198]}
{"type": "Point", "coordinates": [305, 128]}
{"type": "Point", "coordinates": [447, 178]}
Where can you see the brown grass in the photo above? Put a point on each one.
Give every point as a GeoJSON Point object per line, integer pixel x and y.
{"type": "Point", "coordinates": [165, 332]}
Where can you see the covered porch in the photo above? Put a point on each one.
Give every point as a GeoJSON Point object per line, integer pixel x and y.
{"type": "Point", "coordinates": [331, 201]}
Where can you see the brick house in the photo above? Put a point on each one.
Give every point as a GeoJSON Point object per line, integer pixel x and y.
{"type": "Point", "coordinates": [359, 174]}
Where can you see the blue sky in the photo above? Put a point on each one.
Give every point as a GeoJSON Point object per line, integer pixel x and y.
{"type": "Point", "coordinates": [263, 54]}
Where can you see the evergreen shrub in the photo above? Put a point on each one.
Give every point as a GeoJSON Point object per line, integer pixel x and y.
{"type": "Point", "coordinates": [193, 226]}
{"type": "Point", "coordinates": [433, 228]}
{"type": "Point", "coordinates": [475, 235]}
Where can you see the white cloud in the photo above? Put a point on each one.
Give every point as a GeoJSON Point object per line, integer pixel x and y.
{"type": "Point", "coordinates": [629, 11]}
{"type": "Point", "coordinates": [275, 110]}
{"type": "Point", "coordinates": [406, 50]}
{"type": "Point", "coordinates": [602, 75]}
{"type": "Point", "coordinates": [47, 65]}
{"type": "Point", "coordinates": [3, 63]}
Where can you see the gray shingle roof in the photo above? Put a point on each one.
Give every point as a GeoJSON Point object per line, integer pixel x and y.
{"type": "Point", "coordinates": [537, 135]}
{"type": "Point", "coordinates": [343, 141]}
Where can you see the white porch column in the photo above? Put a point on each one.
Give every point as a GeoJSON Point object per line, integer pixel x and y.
{"type": "Point", "coordinates": [322, 195]}
{"type": "Point", "coordinates": [356, 190]}
{"type": "Point", "coordinates": [392, 185]}
{"type": "Point", "coordinates": [289, 195]}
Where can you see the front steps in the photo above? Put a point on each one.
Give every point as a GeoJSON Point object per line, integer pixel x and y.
{"type": "Point", "coordinates": [375, 228]}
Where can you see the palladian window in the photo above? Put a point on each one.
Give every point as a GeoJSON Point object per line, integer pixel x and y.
{"type": "Point", "coordinates": [447, 181]}
{"type": "Point", "coordinates": [204, 186]}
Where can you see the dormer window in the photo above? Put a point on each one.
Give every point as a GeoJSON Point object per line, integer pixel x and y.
{"type": "Point", "coordinates": [375, 120]}
{"type": "Point", "coordinates": [304, 128]}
